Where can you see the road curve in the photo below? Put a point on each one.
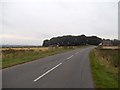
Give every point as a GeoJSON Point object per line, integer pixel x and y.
{"type": "Point", "coordinates": [66, 70]}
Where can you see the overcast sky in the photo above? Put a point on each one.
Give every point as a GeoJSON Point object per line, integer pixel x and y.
{"type": "Point", "coordinates": [29, 22]}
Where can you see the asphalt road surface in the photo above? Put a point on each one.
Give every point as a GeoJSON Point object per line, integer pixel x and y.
{"type": "Point", "coordinates": [66, 70]}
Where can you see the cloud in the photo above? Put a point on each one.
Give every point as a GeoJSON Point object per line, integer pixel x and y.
{"type": "Point", "coordinates": [30, 22]}
{"type": "Point", "coordinates": [19, 40]}
{"type": "Point", "coordinates": [59, 0]}
{"type": "Point", "coordinates": [9, 36]}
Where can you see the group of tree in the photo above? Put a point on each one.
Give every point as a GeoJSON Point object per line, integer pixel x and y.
{"type": "Point", "coordinates": [115, 42]}
{"type": "Point", "coordinates": [70, 40]}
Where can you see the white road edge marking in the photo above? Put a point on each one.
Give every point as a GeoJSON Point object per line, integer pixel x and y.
{"type": "Point", "coordinates": [47, 72]}
{"type": "Point", "coordinates": [70, 57]}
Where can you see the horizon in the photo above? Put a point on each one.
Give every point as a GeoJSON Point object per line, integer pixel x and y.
{"type": "Point", "coordinates": [50, 38]}
{"type": "Point", "coordinates": [2, 44]}
{"type": "Point", "coordinates": [31, 22]}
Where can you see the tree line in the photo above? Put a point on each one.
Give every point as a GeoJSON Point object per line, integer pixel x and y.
{"type": "Point", "coordinates": [70, 40]}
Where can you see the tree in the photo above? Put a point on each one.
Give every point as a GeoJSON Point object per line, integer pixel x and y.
{"type": "Point", "coordinates": [72, 40]}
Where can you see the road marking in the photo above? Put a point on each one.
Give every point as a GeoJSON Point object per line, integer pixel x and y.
{"type": "Point", "coordinates": [47, 72]}
{"type": "Point", "coordinates": [76, 52]}
{"type": "Point", "coordinates": [70, 57]}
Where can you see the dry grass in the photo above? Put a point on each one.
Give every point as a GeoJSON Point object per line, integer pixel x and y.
{"type": "Point", "coordinates": [105, 75]}
{"type": "Point", "coordinates": [34, 49]}
{"type": "Point", "coordinates": [108, 59]}
{"type": "Point", "coordinates": [110, 47]}
{"type": "Point", "coordinates": [14, 56]}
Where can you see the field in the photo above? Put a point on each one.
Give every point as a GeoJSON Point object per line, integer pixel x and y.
{"type": "Point", "coordinates": [14, 56]}
{"type": "Point", "coordinates": [25, 48]}
{"type": "Point", "coordinates": [104, 65]}
{"type": "Point", "coordinates": [110, 47]}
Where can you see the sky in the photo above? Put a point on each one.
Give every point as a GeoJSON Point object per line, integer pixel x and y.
{"type": "Point", "coordinates": [29, 22]}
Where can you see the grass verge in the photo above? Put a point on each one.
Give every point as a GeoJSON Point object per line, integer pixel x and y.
{"type": "Point", "coordinates": [13, 57]}
{"type": "Point", "coordinates": [103, 78]}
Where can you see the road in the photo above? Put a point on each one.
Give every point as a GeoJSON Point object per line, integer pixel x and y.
{"type": "Point", "coordinates": [66, 70]}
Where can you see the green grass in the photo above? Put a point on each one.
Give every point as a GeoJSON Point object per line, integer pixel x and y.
{"type": "Point", "coordinates": [102, 77]}
{"type": "Point", "coordinates": [14, 57]}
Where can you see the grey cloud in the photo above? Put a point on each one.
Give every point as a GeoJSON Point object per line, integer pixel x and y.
{"type": "Point", "coordinates": [52, 18]}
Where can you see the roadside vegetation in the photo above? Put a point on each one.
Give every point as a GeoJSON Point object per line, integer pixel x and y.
{"type": "Point", "coordinates": [14, 56]}
{"type": "Point", "coordinates": [0, 59]}
{"type": "Point", "coordinates": [104, 65]}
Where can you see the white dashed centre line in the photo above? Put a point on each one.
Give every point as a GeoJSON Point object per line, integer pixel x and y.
{"type": "Point", "coordinates": [76, 52]}
{"type": "Point", "coordinates": [70, 57]}
{"type": "Point", "coordinates": [50, 70]}
{"type": "Point", "coordinates": [47, 72]}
